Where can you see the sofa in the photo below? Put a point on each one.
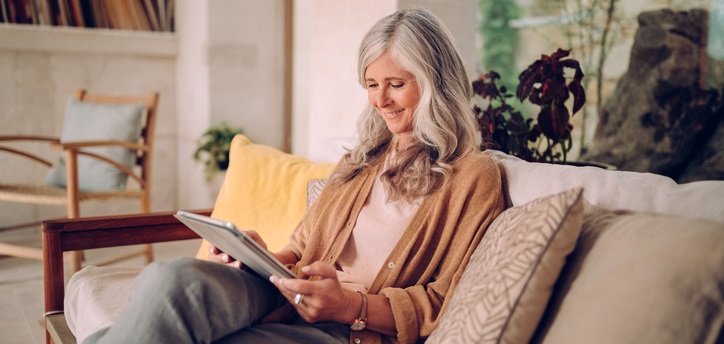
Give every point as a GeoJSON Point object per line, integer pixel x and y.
{"type": "Point", "coordinates": [580, 255]}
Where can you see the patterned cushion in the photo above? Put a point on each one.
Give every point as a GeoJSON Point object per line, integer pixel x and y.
{"type": "Point", "coordinates": [314, 188]}
{"type": "Point", "coordinates": [506, 286]}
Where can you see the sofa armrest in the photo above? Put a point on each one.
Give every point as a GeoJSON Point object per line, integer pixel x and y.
{"type": "Point", "coordinates": [98, 232]}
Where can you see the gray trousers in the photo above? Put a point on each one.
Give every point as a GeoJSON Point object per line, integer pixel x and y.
{"type": "Point", "coordinates": [192, 301]}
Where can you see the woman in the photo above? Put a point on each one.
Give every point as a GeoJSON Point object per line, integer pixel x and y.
{"type": "Point", "coordinates": [386, 242]}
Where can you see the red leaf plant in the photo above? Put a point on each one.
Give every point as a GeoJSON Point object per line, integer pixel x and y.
{"type": "Point", "coordinates": [543, 83]}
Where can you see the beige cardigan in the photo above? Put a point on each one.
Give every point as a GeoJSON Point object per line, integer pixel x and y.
{"type": "Point", "coordinates": [428, 261]}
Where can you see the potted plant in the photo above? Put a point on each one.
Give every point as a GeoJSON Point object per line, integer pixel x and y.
{"type": "Point", "coordinates": [543, 83]}
{"type": "Point", "coordinates": [213, 148]}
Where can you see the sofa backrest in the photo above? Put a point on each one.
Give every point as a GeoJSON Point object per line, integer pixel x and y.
{"type": "Point", "coordinates": [644, 192]}
{"type": "Point", "coordinates": [266, 189]}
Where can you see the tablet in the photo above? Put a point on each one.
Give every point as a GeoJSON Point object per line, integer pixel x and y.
{"type": "Point", "coordinates": [225, 236]}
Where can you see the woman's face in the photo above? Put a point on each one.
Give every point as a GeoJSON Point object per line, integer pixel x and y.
{"type": "Point", "coordinates": [393, 92]}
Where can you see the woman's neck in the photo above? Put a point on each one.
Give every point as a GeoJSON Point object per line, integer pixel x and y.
{"type": "Point", "coordinates": [402, 141]}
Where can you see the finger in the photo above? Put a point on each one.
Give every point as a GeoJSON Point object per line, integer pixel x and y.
{"type": "Point", "coordinates": [217, 256]}
{"type": "Point", "coordinates": [279, 284]}
{"type": "Point", "coordinates": [256, 237]}
{"type": "Point", "coordinates": [287, 287]}
{"type": "Point", "coordinates": [320, 269]}
{"type": "Point", "coordinates": [253, 234]}
{"type": "Point", "coordinates": [213, 253]}
{"type": "Point", "coordinates": [227, 258]}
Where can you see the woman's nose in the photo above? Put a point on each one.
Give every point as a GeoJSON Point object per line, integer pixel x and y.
{"type": "Point", "coordinates": [383, 99]}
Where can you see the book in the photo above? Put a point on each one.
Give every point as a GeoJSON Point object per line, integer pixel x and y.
{"type": "Point", "coordinates": [99, 14]}
{"type": "Point", "coordinates": [152, 17]}
{"type": "Point", "coordinates": [4, 18]}
{"type": "Point", "coordinates": [235, 243]}
{"type": "Point", "coordinates": [76, 12]}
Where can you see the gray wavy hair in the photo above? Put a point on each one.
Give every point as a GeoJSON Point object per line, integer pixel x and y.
{"type": "Point", "coordinates": [444, 126]}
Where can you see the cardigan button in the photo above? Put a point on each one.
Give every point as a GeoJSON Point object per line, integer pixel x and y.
{"type": "Point", "coordinates": [357, 341]}
{"type": "Point", "coordinates": [391, 265]}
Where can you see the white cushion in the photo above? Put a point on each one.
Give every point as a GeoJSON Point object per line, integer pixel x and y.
{"type": "Point", "coordinates": [646, 192]}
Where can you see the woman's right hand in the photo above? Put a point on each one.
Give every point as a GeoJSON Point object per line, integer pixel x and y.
{"type": "Point", "coordinates": [217, 256]}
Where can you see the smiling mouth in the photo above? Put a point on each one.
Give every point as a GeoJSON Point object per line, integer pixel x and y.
{"type": "Point", "coordinates": [395, 113]}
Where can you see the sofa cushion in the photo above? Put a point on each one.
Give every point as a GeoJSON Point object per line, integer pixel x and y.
{"type": "Point", "coordinates": [265, 190]}
{"type": "Point", "coordinates": [645, 192]}
{"type": "Point", "coordinates": [640, 278]}
{"type": "Point", "coordinates": [86, 121]}
{"type": "Point", "coordinates": [505, 287]}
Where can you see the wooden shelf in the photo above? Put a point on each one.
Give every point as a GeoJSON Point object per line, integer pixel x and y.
{"type": "Point", "coordinates": [62, 39]}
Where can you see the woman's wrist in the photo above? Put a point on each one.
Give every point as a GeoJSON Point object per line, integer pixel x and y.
{"type": "Point", "coordinates": [352, 311]}
{"type": "Point", "coordinates": [360, 323]}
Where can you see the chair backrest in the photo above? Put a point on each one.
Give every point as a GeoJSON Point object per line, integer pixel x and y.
{"type": "Point", "coordinates": [143, 157]}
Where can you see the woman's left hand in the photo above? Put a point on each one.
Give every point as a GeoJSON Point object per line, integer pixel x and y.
{"type": "Point", "coordinates": [323, 298]}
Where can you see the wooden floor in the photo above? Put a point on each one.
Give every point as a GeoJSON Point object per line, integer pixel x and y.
{"type": "Point", "coordinates": [21, 284]}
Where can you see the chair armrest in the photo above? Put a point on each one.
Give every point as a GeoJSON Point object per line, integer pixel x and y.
{"type": "Point", "coordinates": [23, 153]}
{"type": "Point", "coordinates": [29, 138]}
{"type": "Point", "coordinates": [99, 232]}
{"type": "Point", "coordinates": [110, 231]}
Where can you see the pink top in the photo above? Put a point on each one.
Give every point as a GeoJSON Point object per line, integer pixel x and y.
{"type": "Point", "coordinates": [379, 226]}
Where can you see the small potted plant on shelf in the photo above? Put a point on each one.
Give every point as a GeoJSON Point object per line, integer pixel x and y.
{"type": "Point", "coordinates": [213, 148]}
{"type": "Point", "coordinates": [543, 83]}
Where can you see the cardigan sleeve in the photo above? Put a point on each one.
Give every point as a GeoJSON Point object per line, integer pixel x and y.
{"type": "Point", "coordinates": [460, 216]}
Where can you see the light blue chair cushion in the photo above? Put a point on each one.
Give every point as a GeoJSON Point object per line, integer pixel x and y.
{"type": "Point", "coordinates": [86, 121]}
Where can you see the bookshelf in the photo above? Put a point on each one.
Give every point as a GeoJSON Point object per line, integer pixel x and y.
{"type": "Point", "coordinates": [48, 39]}
{"type": "Point", "coordinates": [137, 15]}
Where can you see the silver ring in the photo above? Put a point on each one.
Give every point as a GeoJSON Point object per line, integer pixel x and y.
{"type": "Point", "coordinates": [298, 299]}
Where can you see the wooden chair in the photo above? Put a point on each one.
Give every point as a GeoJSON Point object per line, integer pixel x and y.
{"type": "Point", "coordinates": [71, 196]}
{"type": "Point", "coordinates": [96, 232]}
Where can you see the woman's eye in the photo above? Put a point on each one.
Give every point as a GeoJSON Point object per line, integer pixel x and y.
{"type": "Point", "coordinates": [397, 85]}
{"type": "Point", "coordinates": [371, 85]}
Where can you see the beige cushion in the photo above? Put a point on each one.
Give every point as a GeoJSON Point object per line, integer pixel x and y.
{"type": "Point", "coordinates": [646, 192]}
{"type": "Point", "coordinates": [640, 278]}
{"type": "Point", "coordinates": [504, 290]}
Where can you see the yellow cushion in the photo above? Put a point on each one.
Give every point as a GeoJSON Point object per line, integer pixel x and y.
{"type": "Point", "coordinates": [265, 190]}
